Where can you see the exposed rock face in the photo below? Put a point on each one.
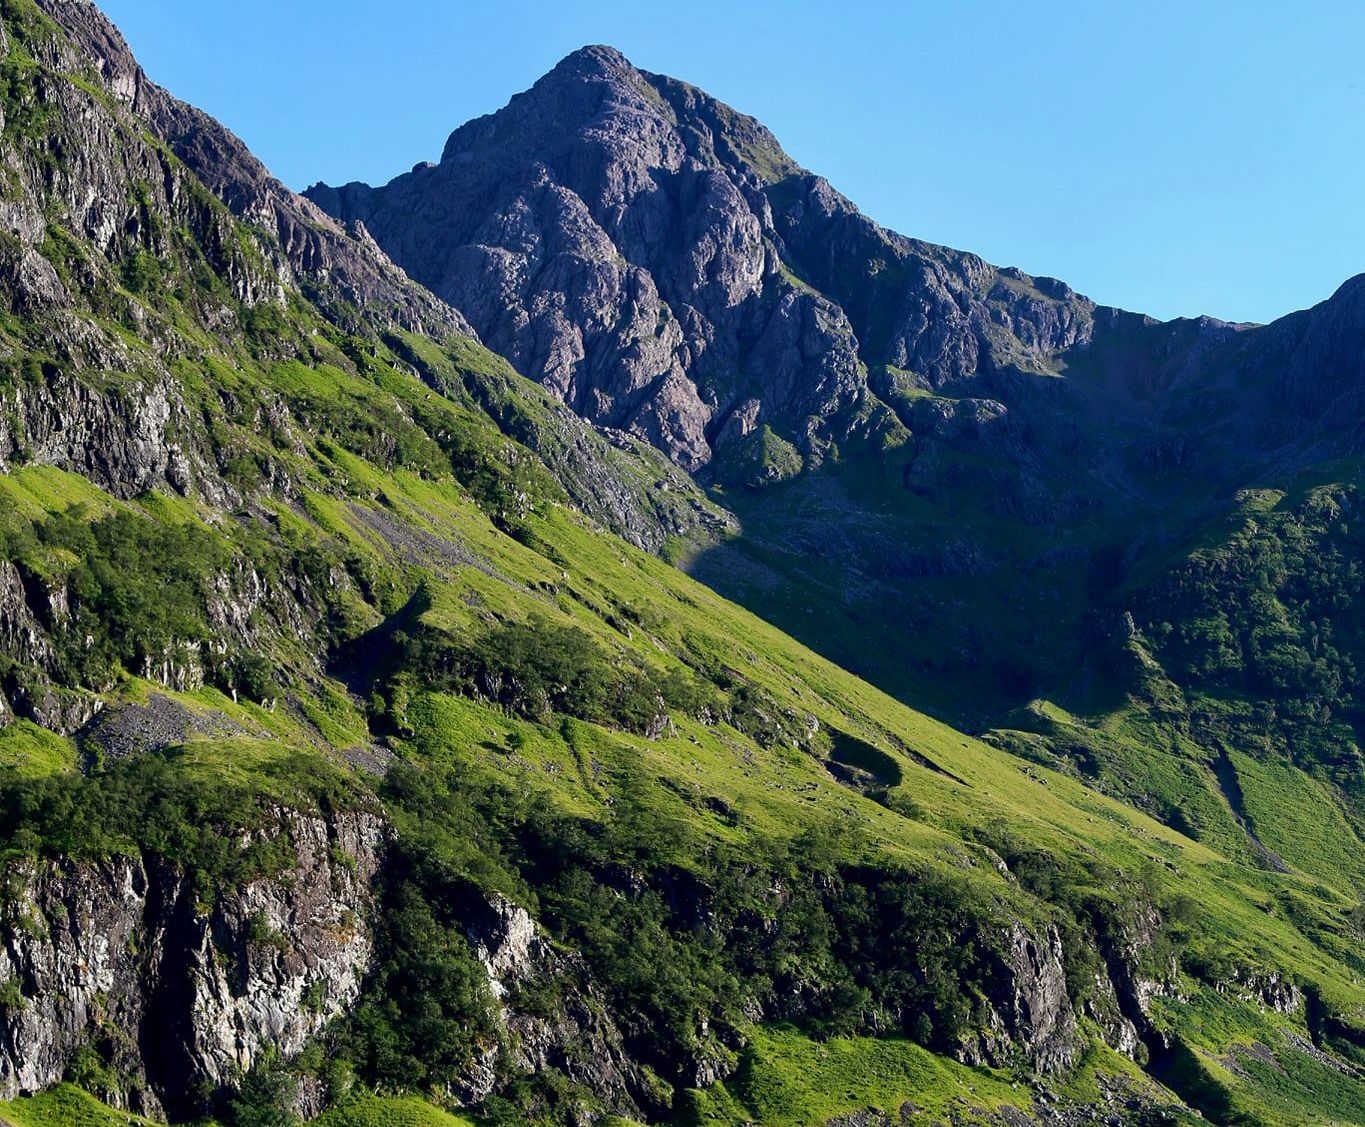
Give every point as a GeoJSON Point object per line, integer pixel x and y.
{"type": "Point", "coordinates": [1030, 1012]}
{"type": "Point", "coordinates": [1121, 1003]}
{"type": "Point", "coordinates": [21, 635]}
{"type": "Point", "coordinates": [578, 1037]}
{"type": "Point", "coordinates": [127, 182]}
{"type": "Point", "coordinates": [37, 615]}
{"type": "Point", "coordinates": [89, 177]}
{"type": "Point", "coordinates": [616, 478]}
{"type": "Point", "coordinates": [96, 193]}
{"type": "Point", "coordinates": [1269, 990]}
{"type": "Point", "coordinates": [1106, 1011]}
{"type": "Point", "coordinates": [123, 443]}
{"type": "Point", "coordinates": [185, 995]}
{"type": "Point", "coordinates": [26, 617]}
{"type": "Point", "coordinates": [657, 261]}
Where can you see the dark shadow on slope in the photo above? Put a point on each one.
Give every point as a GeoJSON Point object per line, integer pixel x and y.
{"type": "Point", "coordinates": [360, 663]}
{"type": "Point", "coordinates": [850, 752]}
{"type": "Point", "coordinates": [939, 604]}
{"type": "Point", "coordinates": [1231, 789]}
{"type": "Point", "coordinates": [1178, 1067]}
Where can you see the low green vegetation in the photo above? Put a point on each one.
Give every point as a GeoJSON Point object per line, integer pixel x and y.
{"type": "Point", "coordinates": [166, 805]}
{"type": "Point", "coordinates": [66, 1106]}
{"type": "Point", "coordinates": [788, 1080]}
{"type": "Point", "coordinates": [391, 1111]}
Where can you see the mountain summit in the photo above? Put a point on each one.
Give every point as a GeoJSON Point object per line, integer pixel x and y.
{"type": "Point", "coordinates": [657, 261]}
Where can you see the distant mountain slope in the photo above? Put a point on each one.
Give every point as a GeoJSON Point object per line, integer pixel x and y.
{"type": "Point", "coordinates": [657, 260]}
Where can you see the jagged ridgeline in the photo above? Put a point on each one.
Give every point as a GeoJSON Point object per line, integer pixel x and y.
{"type": "Point", "coordinates": [362, 758]}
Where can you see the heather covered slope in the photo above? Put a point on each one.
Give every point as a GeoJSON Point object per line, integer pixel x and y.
{"type": "Point", "coordinates": [347, 749]}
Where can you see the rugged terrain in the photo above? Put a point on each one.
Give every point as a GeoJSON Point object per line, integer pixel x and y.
{"type": "Point", "coordinates": [1010, 482]}
{"type": "Point", "coordinates": [363, 756]}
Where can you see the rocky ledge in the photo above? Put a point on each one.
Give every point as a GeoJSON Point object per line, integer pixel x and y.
{"type": "Point", "coordinates": [180, 995]}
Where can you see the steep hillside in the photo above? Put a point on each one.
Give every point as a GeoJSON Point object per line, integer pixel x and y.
{"type": "Point", "coordinates": [122, 255]}
{"type": "Point", "coordinates": [353, 765]}
{"type": "Point", "coordinates": [1003, 485]}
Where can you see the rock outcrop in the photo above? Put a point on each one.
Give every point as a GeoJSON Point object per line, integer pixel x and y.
{"type": "Point", "coordinates": [575, 1036]}
{"type": "Point", "coordinates": [1030, 1012]}
{"type": "Point", "coordinates": [1121, 1003]}
{"type": "Point", "coordinates": [124, 443]}
{"type": "Point", "coordinates": [336, 265]}
{"type": "Point", "coordinates": [182, 995]}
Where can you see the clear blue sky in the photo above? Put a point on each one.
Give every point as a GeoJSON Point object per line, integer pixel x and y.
{"type": "Point", "coordinates": [1176, 158]}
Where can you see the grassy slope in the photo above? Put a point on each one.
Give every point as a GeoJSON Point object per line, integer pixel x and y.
{"type": "Point", "coordinates": [68, 1106]}
{"type": "Point", "coordinates": [789, 1080]}
{"type": "Point", "coordinates": [775, 791]}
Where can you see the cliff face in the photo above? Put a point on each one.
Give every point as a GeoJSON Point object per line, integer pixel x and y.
{"type": "Point", "coordinates": [657, 261]}
{"type": "Point", "coordinates": [179, 995]}
{"type": "Point", "coordinates": [338, 266]}
{"type": "Point", "coordinates": [182, 995]}
{"type": "Point", "coordinates": [128, 443]}
{"type": "Point", "coordinates": [1027, 1014]}
{"type": "Point", "coordinates": [576, 1035]}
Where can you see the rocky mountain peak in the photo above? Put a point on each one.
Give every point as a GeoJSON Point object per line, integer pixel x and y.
{"type": "Point", "coordinates": [595, 62]}
{"type": "Point", "coordinates": [586, 89]}
{"type": "Point", "coordinates": [656, 260]}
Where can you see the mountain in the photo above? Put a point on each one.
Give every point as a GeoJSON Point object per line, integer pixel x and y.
{"type": "Point", "coordinates": [656, 260]}
{"type": "Point", "coordinates": [363, 759]}
{"type": "Point", "coordinates": [1000, 482]}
